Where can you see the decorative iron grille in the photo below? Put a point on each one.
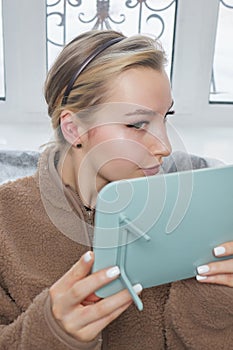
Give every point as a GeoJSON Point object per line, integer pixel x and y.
{"type": "Point", "coordinates": [68, 18]}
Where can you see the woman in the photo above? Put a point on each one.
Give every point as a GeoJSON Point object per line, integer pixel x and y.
{"type": "Point", "coordinates": [108, 97]}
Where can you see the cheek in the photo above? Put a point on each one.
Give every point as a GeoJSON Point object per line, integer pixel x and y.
{"type": "Point", "coordinates": [126, 153]}
{"type": "Point", "coordinates": [107, 144]}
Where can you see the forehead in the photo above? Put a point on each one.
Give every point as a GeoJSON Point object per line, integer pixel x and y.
{"type": "Point", "coordinates": [142, 86]}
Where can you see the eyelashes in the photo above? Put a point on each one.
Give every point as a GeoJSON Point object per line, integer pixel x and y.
{"type": "Point", "coordinates": [138, 125]}
{"type": "Point", "coordinates": [141, 125]}
{"type": "Point", "coordinates": [169, 113]}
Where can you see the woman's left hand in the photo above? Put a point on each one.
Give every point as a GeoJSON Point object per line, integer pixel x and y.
{"type": "Point", "coordinates": [220, 272]}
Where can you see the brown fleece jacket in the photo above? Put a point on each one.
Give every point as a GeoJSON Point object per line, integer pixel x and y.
{"type": "Point", "coordinates": [40, 231]}
{"type": "Point", "coordinates": [43, 232]}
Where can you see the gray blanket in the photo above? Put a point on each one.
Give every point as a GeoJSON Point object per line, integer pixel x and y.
{"type": "Point", "coordinates": [15, 164]}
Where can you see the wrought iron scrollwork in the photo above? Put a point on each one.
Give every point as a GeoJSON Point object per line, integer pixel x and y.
{"type": "Point", "coordinates": [226, 5]}
{"type": "Point", "coordinates": [75, 4]}
{"type": "Point", "coordinates": [53, 4]}
{"type": "Point", "coordinates": [102, 16]}
{"type": "Point", "coordinates": [108, 14]}
{"type": "Point", "coordinates": [129, 4]}
{"type": "Point", "coordinates": [62, 17]}
{"type": "Point", "coordinates": [102, 19]}
{"type": "Point", "coordinates": [160, 20]}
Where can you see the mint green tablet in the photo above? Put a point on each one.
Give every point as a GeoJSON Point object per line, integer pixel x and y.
{"type": "Point", "coordinates": [158, 229]}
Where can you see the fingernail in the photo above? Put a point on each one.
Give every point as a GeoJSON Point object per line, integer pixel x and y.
{"type": "Point", "coordinates": [87, 257]}
{"type": "Point", "coordinates": [200, 278]}
{"type": "Point", "coordinates": [219, 251]}
{"type": "Point", "coordinates": [113, 272]}
{"type": "Point", "coordinates": [203, 269]}
{"type": "Point", "coordinates": [137, 288]}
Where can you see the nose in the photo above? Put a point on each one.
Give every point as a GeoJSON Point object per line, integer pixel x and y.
{"type": "Point", "coordinates": [159, 144]}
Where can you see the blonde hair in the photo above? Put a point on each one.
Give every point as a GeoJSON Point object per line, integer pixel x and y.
{"type": "Point", "coordinates": [92, 86]}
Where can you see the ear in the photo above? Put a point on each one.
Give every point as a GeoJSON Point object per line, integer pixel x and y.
{"type": "Point", "coordinates": [70, 130]}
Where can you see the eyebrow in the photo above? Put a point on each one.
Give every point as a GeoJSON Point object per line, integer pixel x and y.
{"type": "Point", "coordinates": [149, 112]}
{"type": "Point", "coordinates": [141, 112]}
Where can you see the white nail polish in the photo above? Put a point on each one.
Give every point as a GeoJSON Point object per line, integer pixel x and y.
{"type": "Point", "coordinates": [203, 269]}
{"type": "Point", "coordinates": [200, 278]}
{"type": "Point", "coordinates": [87, 257]}
{"type": "Point", "coordinates": [219, 251]}
{"type": "Point", "coordinates": [137, 288]}
{"type": "Point", "coordinates": [113, 272]}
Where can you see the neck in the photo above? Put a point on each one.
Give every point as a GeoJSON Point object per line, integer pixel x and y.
{"type": "Point", "coordinates": [76, 173]}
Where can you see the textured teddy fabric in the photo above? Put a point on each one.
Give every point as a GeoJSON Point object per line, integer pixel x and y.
{"type": "Point", "coordinates": [33, 255]}
{"type": "Point", "coordinates": [43, 232]}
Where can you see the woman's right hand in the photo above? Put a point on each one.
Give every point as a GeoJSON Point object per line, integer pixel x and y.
{"type": "Point", "coordinates": [75, 306]}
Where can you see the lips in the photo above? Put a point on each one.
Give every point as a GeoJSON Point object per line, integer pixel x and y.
{"type": "Point", "coordinates": [151, 171]}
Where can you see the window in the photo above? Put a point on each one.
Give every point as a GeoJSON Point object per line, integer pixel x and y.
{"type": "Point", "coordinates": [2, 77]}
{"type": "Point", "coordinates": [67, 19]}
{"type": "Point", "coordinates": [222, 73]}
{"type": "Point", "coordinates": [188, 26]}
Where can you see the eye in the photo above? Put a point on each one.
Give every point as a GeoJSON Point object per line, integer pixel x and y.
{"type": "Point", "coordinates": [139, 125]}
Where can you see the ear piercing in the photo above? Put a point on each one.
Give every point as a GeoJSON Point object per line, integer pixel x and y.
{"type": "Point", "coordinates": [79, 145]}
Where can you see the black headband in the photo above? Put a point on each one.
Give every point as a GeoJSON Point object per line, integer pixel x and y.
{"type": "Point", "coordinates": [85, 63]}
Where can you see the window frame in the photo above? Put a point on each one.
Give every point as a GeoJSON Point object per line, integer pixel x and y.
{"type": "Point", "coordinates": [193, 25]}
{"type": "Point", "coordinates": [2, 68]}
{"type": "Point", "coordinates": [25, 38]}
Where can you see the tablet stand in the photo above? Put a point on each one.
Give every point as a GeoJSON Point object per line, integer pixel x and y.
{"type": "Point", "coordinates": [121, 253]}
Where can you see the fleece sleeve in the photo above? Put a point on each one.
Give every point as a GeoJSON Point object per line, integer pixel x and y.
{"type": "Point", "coordinates": [35, 328]}
{"type": "Point", "coordinates": [199, 316]}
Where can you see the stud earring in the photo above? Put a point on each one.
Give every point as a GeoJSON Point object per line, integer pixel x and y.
{"type": "Point", "coordinates": [79, 145]}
